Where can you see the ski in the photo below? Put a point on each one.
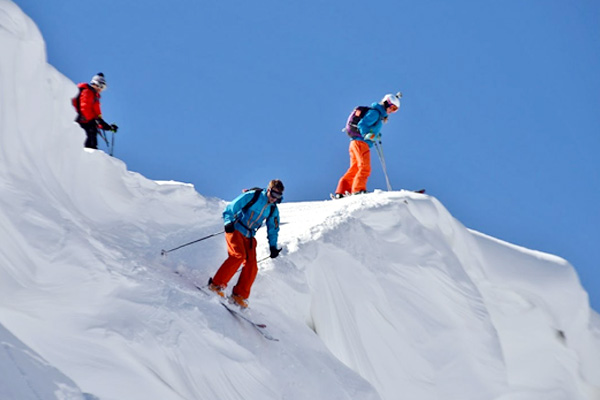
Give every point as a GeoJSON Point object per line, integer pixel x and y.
{"type": "Point", "coordinates": [333, 196]}
{"type": "Point", "coordinates": [259, 327]}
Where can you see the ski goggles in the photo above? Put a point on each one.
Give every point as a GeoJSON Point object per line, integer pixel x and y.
{"type": "Point", "coordinates": [100, 85]}
{"type": "Point", "coordinates": [275, 194]}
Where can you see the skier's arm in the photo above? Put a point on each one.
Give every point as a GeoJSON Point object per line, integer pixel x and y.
{"type": "Point", "coordinates": [273, 228]}
{"type": "Point", "coordinates": [103, 124]}
{"type": "Point", "coordinates": [230, 214]}
{"type": "Point", "coordinates": [370, 119]}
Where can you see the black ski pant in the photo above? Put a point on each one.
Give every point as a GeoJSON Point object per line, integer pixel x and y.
{"type": "Point", "coordinates": [91, 131]}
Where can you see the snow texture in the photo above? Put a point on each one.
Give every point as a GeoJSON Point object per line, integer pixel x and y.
{"type": "Point", "coordinates": [379, 296]}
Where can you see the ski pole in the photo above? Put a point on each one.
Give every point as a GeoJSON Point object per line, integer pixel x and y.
{"type": "Point", "coordinates": [263, 259]}
{"type": "Point", "coordinates": [164, 252]}
{"type": "Point", "coordinates": [379, 147]}
{"type": "Point", "coordinates": [258, 262]}
{"type": "Point", "coordinates": [112, 144]}
{"type": "Point", "coordinates": [387, 178]}
{"type": "Point", "coordinates": [103, 134]}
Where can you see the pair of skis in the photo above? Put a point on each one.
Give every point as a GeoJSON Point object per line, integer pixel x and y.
{"type": "Point", "coordinates": [259, 327]}
{"type": "Point", "coordinates": [333, 197]}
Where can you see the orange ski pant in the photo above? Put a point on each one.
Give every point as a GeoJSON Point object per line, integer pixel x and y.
{"type": "Point", "coordinates": [241, 250]}
{"type": "Point", "coordinates": [355, 179]}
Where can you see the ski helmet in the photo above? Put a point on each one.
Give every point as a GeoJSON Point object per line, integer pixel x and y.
{"type": "Point", "coordinates": [99, 80]}
{"type": "Point", "coordinates": [391, 100]}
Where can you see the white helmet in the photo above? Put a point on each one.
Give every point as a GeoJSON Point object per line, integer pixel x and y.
{"type": "Point", "coordinates": [98, 80]}
{"type": "Point", "coordinates": [391, 99]}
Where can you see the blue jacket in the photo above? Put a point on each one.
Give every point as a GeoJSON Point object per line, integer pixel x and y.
{"type": "Point", "coordinates": [372, 123]}
{"type": "Point", "coordinates": [248, 222]}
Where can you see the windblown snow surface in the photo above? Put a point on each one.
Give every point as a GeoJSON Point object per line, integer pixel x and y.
{"type": "Point", "coordinates": [381, 296]}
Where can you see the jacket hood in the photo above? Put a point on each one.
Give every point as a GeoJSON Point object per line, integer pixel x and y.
{"type": "Point", "coordinates": [381, 109]}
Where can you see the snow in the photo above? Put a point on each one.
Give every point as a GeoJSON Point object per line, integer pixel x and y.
{"type": "Point", "coordinates": [380, 296]}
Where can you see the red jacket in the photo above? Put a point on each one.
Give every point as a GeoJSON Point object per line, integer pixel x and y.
{"type": "Point", "coordinates": [87, 104]}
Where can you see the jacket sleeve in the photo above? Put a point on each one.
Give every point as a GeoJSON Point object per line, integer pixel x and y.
{"type": "Point", "coordinates": [371, 118]}
{"type": "Point", "coordinates": [232, 210]}
{"type": "Point", "coordinates": [273, 227]}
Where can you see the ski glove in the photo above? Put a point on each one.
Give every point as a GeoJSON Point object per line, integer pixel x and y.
{"type": "Point", "coordinates": [102, 124]}
{"type": "Point", "coordinates": [372, 136]}
{"type": "Point", "coordinates": [230, 227]}
{"type": "Point", "coordinates": [274, 251]}
{"type": "Point", "coordinates": [106, 126]}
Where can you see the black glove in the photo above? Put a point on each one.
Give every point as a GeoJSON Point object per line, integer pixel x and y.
{"type": "Point", "coordinates": [114, 128]}
{"type": "Point", "coordinates": [102, 124]}
{"type": "Point", "coordinates": [230, 227]}
{"type": "Point", "coordinates": [274, 251]}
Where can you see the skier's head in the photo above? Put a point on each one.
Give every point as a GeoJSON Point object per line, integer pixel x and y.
{"type": "Point", "coordinates": [98, 82]}
{"type": "Point", "coordinates": [391, 102]}
{"type": "Point", "coordinates": [275, 191]}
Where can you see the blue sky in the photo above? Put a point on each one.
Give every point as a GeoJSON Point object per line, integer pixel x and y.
{"type": "Point", "coordinates": [500, 118]}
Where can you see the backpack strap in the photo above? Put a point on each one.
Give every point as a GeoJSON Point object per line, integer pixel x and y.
{"type": "Point", "coordinates": [253, 200]}
{"type": "Point", "coordinates": [273, 207]}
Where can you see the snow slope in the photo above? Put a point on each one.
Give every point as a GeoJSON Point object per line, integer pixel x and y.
{"type": "Point", "coordinates": [382, 296]}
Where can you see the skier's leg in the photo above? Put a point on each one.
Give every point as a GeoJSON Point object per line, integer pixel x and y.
{"type": "Point", "coordinates": [363, 157]}
{"type": "Point", "coordinates": [249, 271]}
{"type": "Point", "coordinates": [345, 183]}
{"type": "Point", "coordinates": [236, 248]}
{"type": "Point", "coordinates": [91, 133]}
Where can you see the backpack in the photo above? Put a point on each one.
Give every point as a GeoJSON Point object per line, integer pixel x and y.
{"type": "Point", "coordinates": [355, 117]}
{"type": "Point", "coordinates": [254, 199]}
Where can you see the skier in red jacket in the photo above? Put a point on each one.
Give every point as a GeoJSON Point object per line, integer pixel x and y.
{"type": "Point", "coordinates": [89, 115]}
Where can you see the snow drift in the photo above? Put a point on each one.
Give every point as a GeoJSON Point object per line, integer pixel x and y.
{"type": "Point", "coordinates": [382, 296]}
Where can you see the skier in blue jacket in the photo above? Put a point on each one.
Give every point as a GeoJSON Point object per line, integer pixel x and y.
{"type": "Point", "coordinates": [242, 218]}
{"type": "Point", "coordinates": [364, 130]}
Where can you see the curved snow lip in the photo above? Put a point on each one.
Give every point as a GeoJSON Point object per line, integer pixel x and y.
{"type": "Point", "coordinates": [393, 276]}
